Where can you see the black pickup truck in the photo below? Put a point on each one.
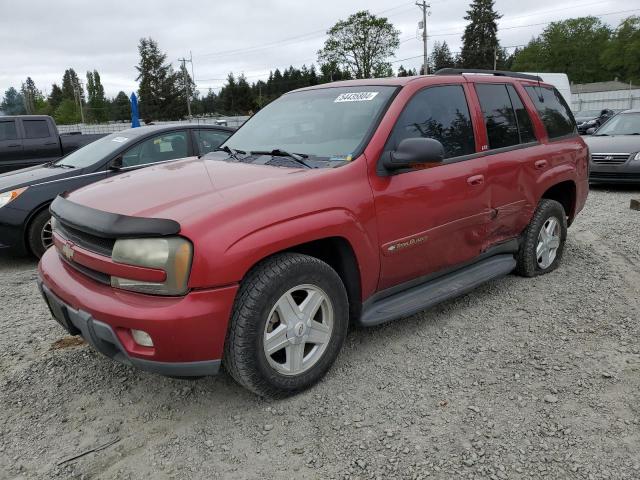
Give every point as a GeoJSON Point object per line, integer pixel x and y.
{"type": "Point", "coordinates": [27, 140]}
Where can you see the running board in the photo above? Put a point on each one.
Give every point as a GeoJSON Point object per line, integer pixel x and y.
{"type": "Point", "coordinates": [421, 297]}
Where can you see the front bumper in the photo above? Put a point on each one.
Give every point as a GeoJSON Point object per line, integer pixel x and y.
{"type": "Point", "coordinates": [12, 222]}
{"type": "Point", "coordinates": [188, 332]}
{"type": "Point", "coordinates": [628, 173]}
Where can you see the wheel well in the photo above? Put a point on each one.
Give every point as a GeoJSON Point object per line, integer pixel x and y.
{"type": "Point", "coordinates": [27, 225]}
{"type": "Point", "coordinates": [338, 254]}
{"type": "Point", "coordinates": [565, 194]}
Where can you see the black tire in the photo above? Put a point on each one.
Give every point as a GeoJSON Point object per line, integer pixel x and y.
{"type": "Point", "coordinates": [244, 356]}
{"type": "Point", "coordinates": [527, 261]}
{"type": "Point", "coordinates": [34, 233]}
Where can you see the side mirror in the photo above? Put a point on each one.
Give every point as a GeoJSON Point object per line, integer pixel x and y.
{"type": "Point", "coordinates": [414, 152]}
{"type": "Point", "coordinates": [591, 131]}
{"type": "Point", "coordinates": [116, 163]}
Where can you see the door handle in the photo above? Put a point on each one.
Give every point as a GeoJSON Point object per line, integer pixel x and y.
{"type": "Point", "coordinates": [541, 164]}
{"type": "Point", "coordinates": [475, 180]}
{"type": "Point", "coordinates": [13, 145]}
{"type": "Point", "coordinates": [50, 143]}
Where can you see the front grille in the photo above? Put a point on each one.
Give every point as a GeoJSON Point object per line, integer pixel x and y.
{"type": "Point", "coordinates": [615, 175]}
{"type": "Point", "coordinates": [610, 158]}
{"type": "Point", "coordinates": [93, 274]}
{"type": "Point", "coordinates": [102, 246]}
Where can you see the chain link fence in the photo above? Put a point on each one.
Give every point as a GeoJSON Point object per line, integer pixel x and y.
{"type": "Point", "coordinates": [112, 127]}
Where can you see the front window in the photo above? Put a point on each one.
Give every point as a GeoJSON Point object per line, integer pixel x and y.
{"type": "Point", "coordinates": [622, 124]}
{"type": "Point", "coordinates": [168, 146]}
{"type": "Point", "coordinates": [325, 124]}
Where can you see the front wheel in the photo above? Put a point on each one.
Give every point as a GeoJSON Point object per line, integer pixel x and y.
{"type": "Point", "coordinates": [288, 325]}
{"type": "Point", "coordinates": [543, 240]}
{"type": "Point", "coordinates": [40, 235]}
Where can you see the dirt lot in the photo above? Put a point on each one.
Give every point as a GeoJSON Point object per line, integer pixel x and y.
{"type": "Point", "coordinates": [519, 379]}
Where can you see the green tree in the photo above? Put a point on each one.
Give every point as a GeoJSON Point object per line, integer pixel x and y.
{"type": "Point", "coordinates": [480, 39]}
{"type": "Point", "coordinates": [575, 47]}
{"type": "Point", "coordinates": [361, 45]}
{"type": "Point", "coordinates": [55, 97]}
{"type": "Point", "coordinates": [121, 108]}
{"type": "Point", "coordinates": [71, 85]}
{"type": "Point", "coordinates": [96, 101]}
{"type": "Point", "coordinates": [153, 75]}
{"type": "Point", "coordinates": [13, 102]}
{"type": "Point", "coordinates": [441, 57]}
{"type": "Point", "coordinates": [67, 112]}
{"type": "Point", "coordinates": [32, 97]}
{"type": "Point", "coordinates": [621, 56]}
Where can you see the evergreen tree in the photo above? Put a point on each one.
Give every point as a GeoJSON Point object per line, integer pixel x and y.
{"type": "Point", "coordinates": [55, 97]}
{"type": "Point", "coordinates": [121, 108]}
{"type": "Point", "coordinates": [480, 39]}
{"type": "Point", "coordinates": [13, 102]}
{"type": "Point", "coordinates": [153, 75]}
{"type": "Point", "coordinates": [71, 85]}
{"type": "Point", "coordinates": [441, 57]}
{"type": "Point", "coordinates": [32, 97]}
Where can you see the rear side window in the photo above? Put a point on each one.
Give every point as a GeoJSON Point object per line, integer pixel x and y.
{"type": "Point", "coordinates": [8, 130]}
{"type": "Point", "coordinates": [35, 128]}
{"type": "Point", "coordinates": [440, 113]}
{"type": "Point", "coordinates": [553, 110]}
{"type": "Point", "coordinates": [525, 127]}
{"type": "Point", "coordinates": [499, 116]}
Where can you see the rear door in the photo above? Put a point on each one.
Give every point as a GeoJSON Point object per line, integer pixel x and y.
{"type": "Point", "coordinates": [41, 143]}
{"type": "Point", "coordinates": [431, 219]}
{"type": "Point", "coordinates": [511, 144]}
{"type": "Point", "coordinates": [10, 144]}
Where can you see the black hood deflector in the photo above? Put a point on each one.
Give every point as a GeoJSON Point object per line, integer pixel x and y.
{"type": "Point", "coordinates": [110, 225]}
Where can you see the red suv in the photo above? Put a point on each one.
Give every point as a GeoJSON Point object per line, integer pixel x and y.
{"type": "Point", "coordinates": [362, 201]}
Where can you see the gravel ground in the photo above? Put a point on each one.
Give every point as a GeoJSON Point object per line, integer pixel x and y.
{"type": "Point", "coordinates": [523, 378]}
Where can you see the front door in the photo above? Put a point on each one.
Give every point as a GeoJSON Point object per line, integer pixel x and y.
{"type": "Point", "coordinates": [436, 218]}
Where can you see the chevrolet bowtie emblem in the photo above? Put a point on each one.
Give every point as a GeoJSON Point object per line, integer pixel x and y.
{"type": "Point", "coordinates": [67, 251]}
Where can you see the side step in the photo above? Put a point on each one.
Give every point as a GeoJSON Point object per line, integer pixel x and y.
{"type": "Point", "coordinates": [420, 297]}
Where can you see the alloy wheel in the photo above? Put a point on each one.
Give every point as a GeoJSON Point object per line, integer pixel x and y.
{"type": "Point", "coordinates": [548, 243]}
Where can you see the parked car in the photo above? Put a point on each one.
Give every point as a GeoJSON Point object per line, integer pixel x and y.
{"type": "Point", "coordinates": [25, 195]}
{"type": "Point", "coordinates": [362, 201]}
{"type": "Point", "coordinates": [615, 150]}
{"type": "Point", "coordinates": [589, 119]}
{"type": "Point", "coordinates": [27, 140]}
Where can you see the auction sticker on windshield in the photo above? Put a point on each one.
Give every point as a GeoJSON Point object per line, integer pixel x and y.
{"type": "Point", "coordinates": [355, 97]}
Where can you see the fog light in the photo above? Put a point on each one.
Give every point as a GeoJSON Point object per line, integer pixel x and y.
{"type": "Point", "coordinates": [142, 338]}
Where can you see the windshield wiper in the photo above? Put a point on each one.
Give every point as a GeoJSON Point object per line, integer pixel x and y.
{"type": "Point", "coordinates": [232, 152]}
{"type": "Point", "coordinates": [276, 152]}
{"type": "Point", "coordinates": [61, 165]}
{"type": "Point", "coordinates": [600, 134]}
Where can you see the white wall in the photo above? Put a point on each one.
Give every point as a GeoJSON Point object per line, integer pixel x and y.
{"type": "Point", "coordinates": [616, 100]}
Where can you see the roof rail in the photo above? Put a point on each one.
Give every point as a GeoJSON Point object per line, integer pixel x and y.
{"type": "Point", "coordinates": [497, 73]}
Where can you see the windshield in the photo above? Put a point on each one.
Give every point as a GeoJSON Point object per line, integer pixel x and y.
{"type": "Point", "coordinates": [93, 152]}
{"type": "Point", "coordinates": [332, 123]}
{"type": "Point", "coordinates": [621, 124]}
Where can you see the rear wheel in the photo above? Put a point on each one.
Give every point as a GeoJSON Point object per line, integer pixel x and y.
{"type": "Point", "coordinates": [543, 240]}
{"type": "Point", "coordinates": [288, 325]}
{"type": "Point", "coordinates": [40, 235]}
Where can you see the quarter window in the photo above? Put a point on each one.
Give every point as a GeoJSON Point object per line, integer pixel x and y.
{"type": "Point", "coordinates": [209, 140]}
{"type": "Point", "coordinates": [8, 130]}
{"type": "Point", "coordinates": [35, 128]}
{"type": "Point", "coordinates": [525, 126]}
{"type": "Point", "coordinates": [553, 110]}
{"type": "Point", "coordinates": [440, 113]}
{"type": "Point", "coordinates": [157, 149]}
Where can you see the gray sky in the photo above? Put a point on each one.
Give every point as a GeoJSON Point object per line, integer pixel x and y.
{"type": "Point", "coordinates": [41, 38]}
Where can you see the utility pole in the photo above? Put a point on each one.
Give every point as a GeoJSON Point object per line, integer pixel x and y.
{"type": "Point", "coordinates": [424, 6]}
{"type": "Point", "coordinates": [495, 58]}
{"type": "Point", "coordinates": [186, 82]}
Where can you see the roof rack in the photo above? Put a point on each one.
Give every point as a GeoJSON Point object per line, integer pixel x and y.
{"type": "Point", "coordinates": [497, 73]}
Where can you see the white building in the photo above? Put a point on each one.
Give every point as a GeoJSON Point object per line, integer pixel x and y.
{"type": "Point", "coordinates": [597, 96]}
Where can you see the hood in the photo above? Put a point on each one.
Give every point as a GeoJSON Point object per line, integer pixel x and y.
{"type": "Point", "coordinates": [33, 175]}
{"type": "Point", "coordinates": [181, 190]}
{"type": "Point", "coordinates": [613, 144]}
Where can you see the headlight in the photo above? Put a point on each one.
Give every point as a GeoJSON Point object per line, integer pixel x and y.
{"type": "Point", "coordinates": [10, 196]}
{"type": "Point", "coordinates": [636, 156]}
{"type": "Point", "coordinates": [171, 254]}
